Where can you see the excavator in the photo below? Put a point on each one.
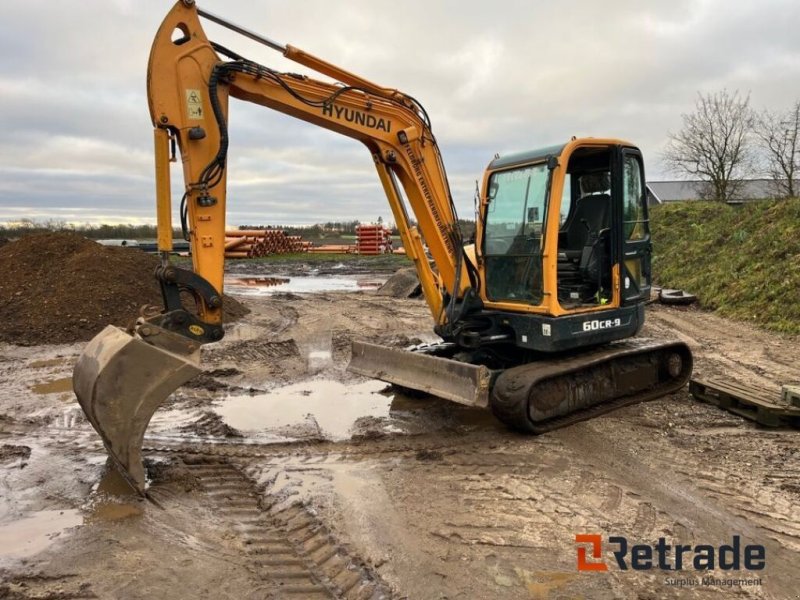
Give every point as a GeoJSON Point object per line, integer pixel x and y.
{"type": "Point", "coordinates": [537, 316]}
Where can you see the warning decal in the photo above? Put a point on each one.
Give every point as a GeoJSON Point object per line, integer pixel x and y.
{"type": "Point", "coordinates": [194, 104]}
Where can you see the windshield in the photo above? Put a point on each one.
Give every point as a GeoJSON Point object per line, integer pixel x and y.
{"type": "Point", "coordinates": [515, 218]}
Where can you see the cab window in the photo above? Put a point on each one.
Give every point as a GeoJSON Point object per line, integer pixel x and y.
{"type": "Point", "coordinates": [633, 198]}
{"type": "Point", "coordinates": [515, 217]}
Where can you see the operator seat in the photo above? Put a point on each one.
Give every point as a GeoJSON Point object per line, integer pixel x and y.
{"type": "Point", "coordinates": [592, 215]}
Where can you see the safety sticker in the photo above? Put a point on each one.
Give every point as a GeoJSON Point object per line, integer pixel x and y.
{"type": "Point", "coordinates": [194, 104]}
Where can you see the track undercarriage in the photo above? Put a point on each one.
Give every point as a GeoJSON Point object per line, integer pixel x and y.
{"type": "Point", "coordinates": [530, 393]}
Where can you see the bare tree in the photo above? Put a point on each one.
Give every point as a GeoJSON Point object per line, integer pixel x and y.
{"type": "Point", "coordinates": [779, 134]}
{"type": "Point", "coordinates": [714, 143]}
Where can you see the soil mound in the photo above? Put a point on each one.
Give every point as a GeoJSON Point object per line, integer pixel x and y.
{"type": "Point", "coordinates": [61, 287]}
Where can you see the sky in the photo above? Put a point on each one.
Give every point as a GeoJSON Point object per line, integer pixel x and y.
{"type": "Point", "coordinates": [495, 77]}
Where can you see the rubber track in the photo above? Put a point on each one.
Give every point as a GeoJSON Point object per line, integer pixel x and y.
{"type": "Point", "coordinates": [291, 549]}
{"type": "Point", "coordinates": [510, 405]}
{"type": "Point", "coordinates": [514, 413]}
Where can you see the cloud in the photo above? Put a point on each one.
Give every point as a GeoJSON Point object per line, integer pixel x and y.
{"type": "Point", "coordinates": [502, 77]}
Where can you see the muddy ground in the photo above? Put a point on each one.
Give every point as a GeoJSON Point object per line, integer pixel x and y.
{"type": "Point", "coordinates": [276, 474]}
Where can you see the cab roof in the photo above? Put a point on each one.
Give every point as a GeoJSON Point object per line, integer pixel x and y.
{"type": "Point", "coordinates": [528, 156]}
{"type": "Point", "coordinates": [542, 154]}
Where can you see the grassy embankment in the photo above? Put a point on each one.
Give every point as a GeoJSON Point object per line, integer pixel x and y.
{"type": "Point", "coordinates": [741, 261]}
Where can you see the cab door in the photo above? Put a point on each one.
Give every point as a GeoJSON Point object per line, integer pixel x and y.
{"type": "Point", "coordinates": [635, 274]}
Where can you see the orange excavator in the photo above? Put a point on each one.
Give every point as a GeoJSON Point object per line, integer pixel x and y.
{"type": "Point", "coordinates": [536, 316]}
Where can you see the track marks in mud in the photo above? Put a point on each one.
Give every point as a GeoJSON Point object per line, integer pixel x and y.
{"type": "Point", "coordinates": [515, 502]}
{"type": "Point", "coordinates": [211, 424]}
{"type": "Point", "coordinates": [645, 519]}
{"type": "Point", "coordinates": [311, 538]}
{"type": "Point", "coordinates": [39, 587]}
{"type": "Point", "coordinates": [290, 549]}
{"type": "Point", "coordinates": [729, 348]}
{"type": "Point", "coordinates": [705, 493]}
{"type": "Point", "coordinates": [765, 505]}
{"type": "Point", "coordinates": [732, 457]}
{"type": "Point", "coordinates": [253, 350]}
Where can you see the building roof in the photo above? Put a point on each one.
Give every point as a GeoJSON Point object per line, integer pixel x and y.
{"type": "Point", "coordinates": [673, 191]}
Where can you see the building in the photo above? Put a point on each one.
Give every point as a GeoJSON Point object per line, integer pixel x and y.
{"type": "Point", "coordinates": [660, 192]}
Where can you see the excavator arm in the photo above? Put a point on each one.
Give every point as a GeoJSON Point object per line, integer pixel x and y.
{"type": "Point", "coordinates": [189, 85]}
{"type": "Point", "coordinates": [122, 377]}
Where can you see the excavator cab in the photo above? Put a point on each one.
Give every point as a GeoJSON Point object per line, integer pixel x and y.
{"type": "Point", "coordinates": [563, 237]}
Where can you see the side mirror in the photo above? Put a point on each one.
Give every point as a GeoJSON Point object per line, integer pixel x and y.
{"type": "Point", "coordinates": [493, 189]}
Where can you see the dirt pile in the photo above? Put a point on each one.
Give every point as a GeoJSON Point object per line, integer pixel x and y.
{"type": "Point", "coordinates": [62, 288]}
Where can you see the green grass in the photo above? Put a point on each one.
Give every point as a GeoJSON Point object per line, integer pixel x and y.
{"type": "Point", "coordinates": [741, 261]}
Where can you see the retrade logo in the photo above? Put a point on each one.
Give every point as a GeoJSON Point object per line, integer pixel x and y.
{"type": "Point", "coordinates": [596, 543]}
{"type": "Point", "coordinates": [668, 557]}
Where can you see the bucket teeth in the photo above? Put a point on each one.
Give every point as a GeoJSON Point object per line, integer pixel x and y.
{"type": "Point", "coordinates": [120, 380]}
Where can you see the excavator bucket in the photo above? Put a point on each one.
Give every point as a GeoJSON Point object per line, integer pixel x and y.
{"type": "Point", "coordinates": [120, 380]}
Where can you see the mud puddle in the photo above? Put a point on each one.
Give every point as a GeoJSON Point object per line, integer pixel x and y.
{"type": "Point", "coordinates": [244, 285]}
{"type": "Point", "coordinates": [54, 386]}
{"type": "Point", "coordinates": [30, 535]}
{"type": "Point", "coordinates": [49, 362]}
{"type": "Point", "coordinates": [114, 499]}
{"type": "Point", "coordinates": [329, 406]}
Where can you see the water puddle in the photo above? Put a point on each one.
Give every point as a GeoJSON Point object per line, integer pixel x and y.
{"type": "Point", "coordinates": [30, 535]}
{"type": "Point", "coordinates": [242, 332]}
{"type": "Point", "coordinates": [54, 386]}
{"type": "Point", "coordinates": [114, 499]}
{"type": "Point", "coordinates": [243, 285]}
{"type": "Point", "coordinates": [49, 362]}
{"type": "Point", "coordinates": [319, 360]}
{"type": "Point", "coordinates": [333, 406]}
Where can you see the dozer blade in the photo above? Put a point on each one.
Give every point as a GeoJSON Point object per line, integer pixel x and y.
{"type": "Point", "coordinates": [449, 379]}
{"type": "Point", "coordinates": [120, 380]}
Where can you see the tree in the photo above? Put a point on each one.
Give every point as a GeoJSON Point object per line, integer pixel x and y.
{"type": "Point", "coordinates": [714, 143]}
{"type": "Point", "coordinates": [779, 134]}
